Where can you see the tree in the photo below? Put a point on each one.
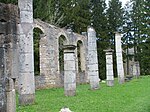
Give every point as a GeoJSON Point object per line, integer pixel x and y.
{"type": "Point", "coordinates": [115, 22]}
{"type": "Point", "coordinates": [99, 22]}
{"type": "Point", "coordinates": [78, 15]}
{"type": "Point", "coordinates": [137, 14]}
{"type": "Point", "coordinates": [9, 1]}
{"type": "Point", "coordinates": [50, 13]}
{"type": "Point", "coordinates": [143, 39]}
{"type": "Point", "coordinates": [115, 15]}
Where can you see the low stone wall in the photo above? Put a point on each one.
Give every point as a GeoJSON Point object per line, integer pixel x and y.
{"type": "Point", "coordinates": [42, 82]}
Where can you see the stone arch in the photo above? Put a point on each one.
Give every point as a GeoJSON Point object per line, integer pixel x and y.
{"type": "Point", "coordinates": [81, 61]}
{"type": "Point", "coordinates": [81, 57]}
{"type": "Point", "coordinates": [62, 40]}
{"type": "Point", "coordinates": [38, 40]}
{"type": "Point", "coordinates": [37, 24]}
{"type": "Point", "coordinates": [62, 34]}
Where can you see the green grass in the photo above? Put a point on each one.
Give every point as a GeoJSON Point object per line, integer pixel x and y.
{"type": "Point", "coordinates": [133, 96]}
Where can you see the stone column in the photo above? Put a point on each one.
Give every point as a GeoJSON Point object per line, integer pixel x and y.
{"type": "Point", "coordinates": [2, 79]}
{"type": "Point", "coordinates": [11, 95]}
{"type": "Point", "coordinates": [10, 74]}
{"type": "Point", "coordinates": [109, 67]}
{"type": "Point", "coordinates": [120, 69]}
{"type": "Point", "coordinates": [7, 78]}
{"type": "Point", "coordinates": [26, 84]}
{"type": "Point", "coordinates": [69, 70]}
{"type": "Point", "coordinates": [136, 69]}
{"type": "Point", "coordinates": [92, 60]}
{"type": "Point", "coordinates": [8, 56]}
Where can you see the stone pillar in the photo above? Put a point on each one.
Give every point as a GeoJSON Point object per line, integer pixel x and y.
{"type": "Point", "coordinates": [7, 78]}
{"type": "Point", "coordinates": [26, 84]}
{"type": "Point", "coordinates": [120, 69]}
{"type": "Point", "coordinates": [69, 70]}
{"type": "Point", "coordinates": [2, 79]}
{"type": "Point", "coordinates": [136, 69]}
{"type": "Point", "coordinates": [10, 75]}
{"type": "Point", "coordinates": [92, 60]}
{"type": "Point", "coordinates": [109, 67]}
{"type": "Point", "coordinates": [11, 95]}
{"type": "Point", "coordinates": [8, 56]}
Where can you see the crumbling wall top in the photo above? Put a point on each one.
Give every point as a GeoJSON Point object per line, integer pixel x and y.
{"type": "Point", "coordinates": [9, 13]}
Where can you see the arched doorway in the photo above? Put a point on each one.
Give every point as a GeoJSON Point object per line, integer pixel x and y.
{"type": "Point", "coordinates": [62, 41]}
{"type": "Point", "coordinates": [81, 62]}
{"type": "Point", "coordinates": [36, 39]}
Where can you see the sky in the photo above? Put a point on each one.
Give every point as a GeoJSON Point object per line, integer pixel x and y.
{"type": "Point", "coordinates": [123, 2]}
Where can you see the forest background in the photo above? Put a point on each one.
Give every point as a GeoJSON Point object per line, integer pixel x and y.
{"type": "Point", "coordinates": [132, 20]}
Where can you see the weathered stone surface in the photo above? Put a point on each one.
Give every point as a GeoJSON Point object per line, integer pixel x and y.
{"type": "Point", "coordinates": [120, 69]}
{"type": "Point", "coordinates": [109, 67]}
{"type": "Point", "coordinates": [26, 5]}
{"type": "Point", "coordinates": [92, 64]}
{"type": "Point", "coordinates": [26, 17]}
{"type": "Point", "coordinates": [49, 55]}
{"type": "Point", "coordinates": [11, 95]}
{"type": "Point", "coordinates": [26, 82]}
{"type": "Point", "coordinates": [2, 82]}
{"type": "Point", "coordinates": [110, 82]}
{"type": "Point", "coordinates": [26, 59]}
{"type": "Point", "coordinates": [26, 99]}
{"type": "Point", "coordinates": [9, 19]}
{"type": "Point", "coordinates": [136, 69]}
{"type": "Point", "coordinates": [69, 71]}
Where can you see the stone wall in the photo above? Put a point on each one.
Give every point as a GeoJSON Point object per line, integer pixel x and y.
{"type": "Point", "coordinates": [50, 75]}
{"type": "Point", "coordinates": [9, 19]}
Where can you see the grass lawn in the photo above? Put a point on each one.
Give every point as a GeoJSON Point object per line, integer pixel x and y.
{"type": "Point", "coordinates": [133, 96]}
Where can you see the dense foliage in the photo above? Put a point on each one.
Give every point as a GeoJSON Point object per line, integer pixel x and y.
{"type": "Point", "coordinates": [133, 20]}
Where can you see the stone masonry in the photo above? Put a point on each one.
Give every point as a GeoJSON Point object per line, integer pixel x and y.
{"type": "Point", "coordinates": [131, 66]}
{"type": "Point", "coordinates": [17, 55]}
{"type": "Point", "coordinates": [8, 56]}
{"type": "Point", "coordinates": [26, 82]}
{"type": "Point", "coordinates": [109, 67]}
{"type": "Point", "coordinates": [69, 70]}
{"type": "Point", "coordinates": [92, 64]}
{"type": "Point", "coordinates": [120, 69]}
{"type": "Point", "coordinates": [136, 69]}
{"type": "Point", "coordinates": [50, 75]}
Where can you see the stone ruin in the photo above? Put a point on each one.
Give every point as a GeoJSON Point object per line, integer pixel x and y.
{"type": "Point", "coordinates": [132, 67]}
{"type": "Point", "coordinates": [50, 73]}
{"type": "Point", "coordinates": [109, 67]}
{"type": "Point", "coordinates": [119, 58]}
{"type": "Point", "coordinates": [9, 19]}
{"type": "Point", "coordinates": [17, 57]}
